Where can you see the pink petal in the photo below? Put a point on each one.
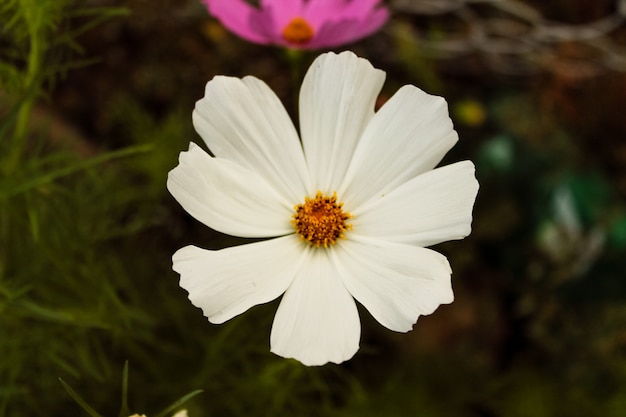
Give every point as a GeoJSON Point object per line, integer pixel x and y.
{"type": "Point", "coordinates": [346, 31]}
{"type": "Point", "coordinates": [338, 21]}
{"type": "Point", "coordinates": [241, 19]}
{"type": "Point", "coordinates": [319, 12]}
{"type": "Point", "coordinates": [363, 8]}
{"type": "Point", "coordinates": [283, 11]}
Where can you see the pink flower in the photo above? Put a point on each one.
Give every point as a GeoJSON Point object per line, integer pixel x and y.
{"type": "Point", "coordinates": [301, 24]}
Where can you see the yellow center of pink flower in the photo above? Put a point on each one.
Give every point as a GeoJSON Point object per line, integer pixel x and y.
{"type": "Point", "coordinates": [321, 220]}
{"type": "Point", "coordinates": [298, 31]}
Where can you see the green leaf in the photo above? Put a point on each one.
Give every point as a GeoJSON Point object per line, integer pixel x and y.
{"type": "Point", "coordinates": [49, 177]}
{"type": "Point", "coordinates": [178, 403]}
{"type": "Point", "coordinates": [497, 154]}
{"type": "Point", "coordinates": [617, 232]}
{"type": "Point", "coordinates": [79, 400]}
{"type": "Point", "coordinates": [125, 411]}
{"type": "Point", "coordinates": [591, 195]}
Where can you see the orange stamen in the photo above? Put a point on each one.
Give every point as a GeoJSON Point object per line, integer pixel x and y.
{"type": "Point", "coordinates": [321, 220]}
{"type": "Point", "coordinates": [298, 31]}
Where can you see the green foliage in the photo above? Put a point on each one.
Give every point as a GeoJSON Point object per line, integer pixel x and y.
{"type": "Point", "coordinates": [124, 410]}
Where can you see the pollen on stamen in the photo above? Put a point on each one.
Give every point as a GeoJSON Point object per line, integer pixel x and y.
{"type": "Point", "coordinates": [298, 31]}
{"type": "Point", "coordinates": [321, 220]}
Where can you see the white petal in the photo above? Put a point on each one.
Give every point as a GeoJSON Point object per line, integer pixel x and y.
{"type": "Point", "coordinates": [317, 320]}
{"type": "Point", "coordinates": [227, 197]}
{"type": "Point", "coordinates": [336, 103]}
{"type": "Point", "coordinates": [242, 120]}
{"type": "Point", "coordinates": [396, 283]}
{"type": "Point", "coordinates": [227, 282]}
{"type": "Point", "coordinates": [408, 136]}
{"type": "Point", "coordinates": [431, 208]}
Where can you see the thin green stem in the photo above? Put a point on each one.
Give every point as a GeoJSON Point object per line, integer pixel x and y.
{"type": "Point", "coordinates": [29, 87]}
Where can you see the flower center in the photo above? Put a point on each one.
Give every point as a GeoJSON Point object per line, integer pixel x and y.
{"type": "Point", "coordinates": [298, 31]}
{"type": "Point", "coordinates": [321, 220]}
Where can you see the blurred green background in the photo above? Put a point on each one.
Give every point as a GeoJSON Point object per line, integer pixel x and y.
{"type": "Point", "coordinates": [95, 105]}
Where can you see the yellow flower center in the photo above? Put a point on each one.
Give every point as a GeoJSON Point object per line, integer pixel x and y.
{"type": "Point", "coordinates": [298, 31]}
{"type": "Point", "coordinates": [321, 220]}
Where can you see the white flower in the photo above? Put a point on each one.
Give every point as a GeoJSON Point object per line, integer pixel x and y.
{"type": "Point", "coordinates": [350, 209]}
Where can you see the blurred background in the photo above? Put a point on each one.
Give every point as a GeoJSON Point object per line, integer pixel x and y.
{"type": "Point", "coordinates": [95, 105]}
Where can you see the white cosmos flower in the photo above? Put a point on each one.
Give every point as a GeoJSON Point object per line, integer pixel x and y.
{"type": "Point", "coordinates": [322, 255]}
